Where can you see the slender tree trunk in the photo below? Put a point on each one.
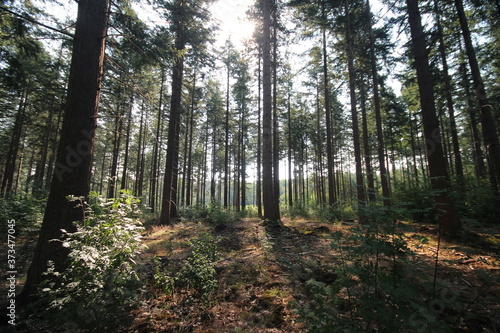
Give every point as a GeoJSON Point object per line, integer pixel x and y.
{"type": "Point", "coordinates": [42, 163]}
{"type": "Point", "coordinates": [137, 184]}
{"type": "Point", "coordinates": [226, 142]}
{"type": "Point", "coordinates": [490, 134]}
{"type": "Point", "coordinates": [328, 117]}
{"type": "Point", "coordinates": [360, 187]}
{"type": "Point", "coordinates": [271, 210]}
{"type": "Point", "coordinates": [447, 212]}
{"type": "Point", "coordinates": [175, 117]}
{"type": "Point", "coordinates": [53, 149]}
{"type": "Point", "coordinates": [366, 145]}
{"type": "Point", "coordinates": [74, 157]}
{"type": "Point", "coordinates": [459, 170]}
{"type": "Point", "coordinates": [123, 185]}
{"type": "Point", "coordinates": [156, 149]}
{"type": "Point", "coordinates": [384, 174]}
{"type": "Point", "coordinates": [190, 148]}
{"type": "Point", "coordinates": [10, 163]}
{"type": "Point", "coordinates": [480, 167]}
{"type": "Point", "coordinates": [289, 113]}
{"type": "Point", "coordinates": [276, 143]}
{"type": "Point", "coordinates": [116, 148]}
{"type": "Point", "coordinates": [259, 138]}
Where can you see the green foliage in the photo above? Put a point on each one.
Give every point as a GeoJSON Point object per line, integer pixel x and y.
{"type": "Point", "coordinates": [101, 280]}
{"type": "Point", "coordinates": [418, 203]}
{"type": "Point", "coordinates": [297, 210]}
{"type": "Point", "coordinates": [218, 216]}
{"type": "Point", "coordinates": [24, 209]}
{"type": "Point", "coordinates": [380, 286]}
{"type": "Point", "coordinates": [162, 279]}
{"type": "Point", "coordinates": [199, 271]}
{"type": "Point", "coordinates": [480, 204]}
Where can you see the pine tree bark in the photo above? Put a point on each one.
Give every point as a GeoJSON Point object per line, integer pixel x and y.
{"type": "Point", "coordinates": [366, 145]}
{"type": "Point", "coordinates": [328, 117]}
{"type": "Point", "coordinates": [459, 169]}
{"type": "Point", "coordinates": [153, 183]}
{"type": "Point", "coordinates": [258, 188]}
{"type": "Point", "coordinates": [276, 142]}
{"type": "Point", "coordinates": [10, 162]}
{"type": "Point", "coordinates": [447, 212]}
{"type": "Point", "coordinates": [360, 187]}
{"type": "Point", "coordinates": [74, 157]}
{"type": "Point", "coordinates": [169, 192]}
{"type": "Point", "coordinates": [123, 185]}
{"type": "Point", "coordinates": [384, 174]}
{"type": "Point", "coordinates": [490, 134]}
{"type": "Point", "coordinates": [116, 148]}
{"type": "Point", "coordinates": [271, 210]}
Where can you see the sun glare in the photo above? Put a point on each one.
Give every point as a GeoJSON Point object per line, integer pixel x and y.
{"type": "Point", "coordinates": [233, 22]}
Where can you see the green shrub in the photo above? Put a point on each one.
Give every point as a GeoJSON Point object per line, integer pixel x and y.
{"type": "Point", "coordinates": [26, 210]}
{"type": "Point", "coordinates": [101, 280]}
{"type": "Point", "coordinates": [199, 271]}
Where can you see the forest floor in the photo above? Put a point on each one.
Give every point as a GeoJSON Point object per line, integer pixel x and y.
{"type": "Point", "coordinates": [263, 272]}
{"type": "Point", "coordinates": [262, 277]}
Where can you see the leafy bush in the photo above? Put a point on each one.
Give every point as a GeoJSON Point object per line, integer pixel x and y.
{"type": "Point", "coordinates": [25, 209]}
{"type": "Point", "coordinates": [199, 271]}
{"type": "Point", "coordinates": [480, 204]}
{"type": "Point", "coordinates": [101, 280]}
{"type": "Point", "coordinates": [218, 216]}
{"type": "Point", "coordinates": [418, 203]}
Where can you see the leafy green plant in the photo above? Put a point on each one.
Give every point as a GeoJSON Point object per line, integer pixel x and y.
{"type": "Point", "coordinates": [218, 216]}
{"type": "Point", "coordinates": [199, 271]}
{"type": "Point", "coordinates": [24, 209]}
{"type": "Point", "coordinates": [101, 279]}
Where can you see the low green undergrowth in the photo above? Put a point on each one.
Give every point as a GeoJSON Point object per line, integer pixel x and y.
{"type": "Point", "coordinates": [101, 281]}
{"type": "Point", "coordinates": [381, 285]}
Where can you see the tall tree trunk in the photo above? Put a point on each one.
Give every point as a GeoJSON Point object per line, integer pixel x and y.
{"type": "Point", "coordinates": [116, 148]}
{"type": "Point", "coordinates": [459, 170]}
{"type": "Point", "coordinates": [276, 143]}
{"type": "Point", "coordinates": [153, 185]}
{"type": "Point", "coordinates": [259, 137]}
{"type": "Point", "coordinates": [360, 187]}
{"type": "Point", "coordinates": [384, 174]}
{"type": "Point", "coordinates": [366, 145]}
{"type": "Point", "coordinates": [168, 199]}
{"type": "Point", "coordinates": [42, 163]}
{"type": "Point", "coordinates": [123, 185]}
{"type": "Point", "coordinates": [10, 162]}
{"type": "Point", "coordinates": [271, 210]}
{"type": "Point", "coordinates": [53, 149]}
{"type": "Point", "coordinates": [447, 212]}
{"type": "Point", "coordinates": [226, 142]}
{"type": "Point", "coordinates": [490, 134]}
{"type": "Point", "coordinates": [479, 165]}
{"type": "Point", "coordinates": [243, 162]}
{"type": "Point", "coordinates": [328, 117]}
{"type": "Point", "coordinates": [74, 157]}
{"type": "Point", "coordinates": [190, 148]}
{"type": "Point", "coordinates": [138, 171]}
{"type": "Point", "coordinates": [290, 182]}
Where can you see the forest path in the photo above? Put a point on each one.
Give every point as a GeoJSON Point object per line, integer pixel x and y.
{"type": "Point", "coordinates": [261, 271]}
